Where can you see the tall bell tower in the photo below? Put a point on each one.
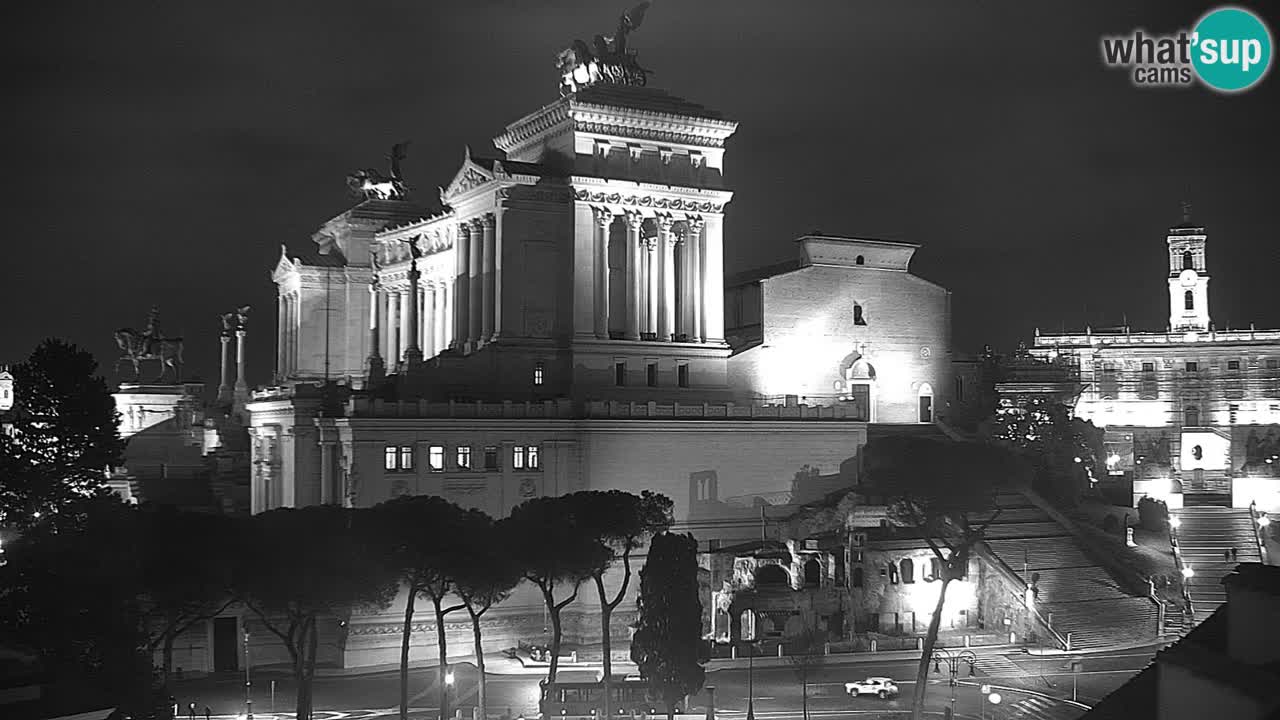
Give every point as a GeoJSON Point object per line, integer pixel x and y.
{"type": "Point", "coordinates": [1188, 276]}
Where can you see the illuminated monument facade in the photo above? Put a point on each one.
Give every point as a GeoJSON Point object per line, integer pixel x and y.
{"type": "Point", "coordinates": [559, 323]}
{"type": "Point", "coordinates": [1191, 413]}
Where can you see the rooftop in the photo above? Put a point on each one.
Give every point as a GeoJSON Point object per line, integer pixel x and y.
{"type": "Point", "coordinates": [647, 99]}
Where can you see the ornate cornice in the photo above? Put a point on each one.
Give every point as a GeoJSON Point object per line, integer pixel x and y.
{"type": "Point", "coordinates": [533, 126]}
{"type": "Point", "coordinates": [637, 132]}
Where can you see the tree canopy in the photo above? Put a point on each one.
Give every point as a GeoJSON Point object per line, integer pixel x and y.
{"type": "Point", "coordinates": [668, 637]}
{"type": "Point", "coordinates": [65, 434]}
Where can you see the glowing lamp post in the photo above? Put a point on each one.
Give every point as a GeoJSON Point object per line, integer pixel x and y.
{"type": "Point", "coordinates": [1263, 520]}
{"type": "Point", "coordinates": [248, 683]}
{"type": "Point", "coordinates": [448, 684]}
{"type": "Point", "coordinates": [1175, 522]}
{"type": "Point", "coordinates": [1187, 572]}
{"type": "Point", "coordinates": [953, 661]}
{"type": "Point", "coordinates": [988, 696]}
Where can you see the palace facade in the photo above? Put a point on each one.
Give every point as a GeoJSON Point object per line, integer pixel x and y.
{"type": "Point", "coordinates": [1192, 414]}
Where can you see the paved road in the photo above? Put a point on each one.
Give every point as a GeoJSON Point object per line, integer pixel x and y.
{"type": "Point", "coordinates": [1029, 688]}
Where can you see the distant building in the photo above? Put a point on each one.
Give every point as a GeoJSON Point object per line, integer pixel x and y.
{"type": "Point", "coordinates": [1192, 414]}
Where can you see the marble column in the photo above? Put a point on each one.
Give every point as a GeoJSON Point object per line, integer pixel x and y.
{"type": "Point", "coordinates": [667, 280]}
{"type": "Point", "coordinates": [448, 330]}
{"type": "Point", "coordinates": [328, 493]}
{"type": "Point", "coordinates": [713, 271]}
{"type": "Point", "coordinates": [402, 323]}
{"type": "Point", "coordinates": [242, 385]}
{"type": "Point", "coordinates": [489, 273]}
{"type": "Point", "coordinates": [604, 220]}
{"type": "Point", "coordinates": [696, 249]}
{"type": "Point", "coordinates": [634, 275]}
{"type": "Point", "coordinates": [376, 367]}
{"type": "Point", "coordinates": [413, 321]}
{"type": "Point", "coordinates": [461, 286]}
{"type": "Point", "coordinates": [427, 316]}
{"type": "Point", "coordinates": [282, 342]}
{"type": "Point", "coordinates": [224, 388]}
{"type": "Point", "coordinates": [651, 293]}
{"type": "Point", "coordinates": [393, 327]}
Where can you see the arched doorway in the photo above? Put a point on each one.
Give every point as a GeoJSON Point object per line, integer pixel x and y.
{"type": "Point", "coordinates": [924, 397]}
{"type": "Point", "coordinates": [812, 573]}
{"type": "Point", "coordinates": [772, 576]}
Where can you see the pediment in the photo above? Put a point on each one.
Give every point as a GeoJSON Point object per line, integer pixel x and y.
{"type": "Point", "coordinates": [284, 266]}
{"type": "Point", "coordinates": [470, 176]}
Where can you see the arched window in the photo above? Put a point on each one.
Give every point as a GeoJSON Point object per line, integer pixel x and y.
{"type": "Point", "coordinates": [812, 573]}
{"type": "Point", "coordinates": [859, 260]}
{"type": "Point", "coordinates": [857, 315]}
{"type": "Point", "coordinates": [908, 569]}
{"type": "Point", "coordinates": [1189, 300]}
{"type": "Point", "coordinates": [772, 576]}
{"type": "Point", "coordinates": [1188, 261]}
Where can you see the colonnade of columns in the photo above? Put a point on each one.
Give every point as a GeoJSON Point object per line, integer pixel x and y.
{"type": "Point", "coordinates": [290, 318]}
{"type": "Point", "coordinates": [661, 303]}
{"type": "Point", "coordinates": [478, 270]}
{"type": "Point", "coordinates": [401, 318]}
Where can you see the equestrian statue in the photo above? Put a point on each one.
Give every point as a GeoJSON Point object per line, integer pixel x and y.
{"type": "Point", "coordinates": [137, 347]}
{"type": "Point", "coordinates": [370, 184]}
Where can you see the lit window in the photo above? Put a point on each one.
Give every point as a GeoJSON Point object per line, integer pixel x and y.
{"type": "Point", "coordinates": [464, 458]}
{"type": "Point", "coordinates": [682, 375]}
{"type": "Point", "coordinates": [538, 369]}
{"type": "Point", "coordinates": [651, 374]}
{"type": "Point", "coordinates": [525, 457]}
{"type": "Point", "coordinates": [390, 457]}
{"type": "Point", "coordinates": [406, 457]}
{"type": "Point", "coordinates": [491, 458]}
{"type": "Point", "coordinates": [435, 457]}
{"type": "Point", "coordinates": [858, 319]}
{"type": "Point", "coordinates": [398, 458]}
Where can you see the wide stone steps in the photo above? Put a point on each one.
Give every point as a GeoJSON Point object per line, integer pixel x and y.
{"type": "Point", "coordinates": [1025, 530]}
{"type": "Point", "coordinates": [1102, 623]}
{"type": "Point", "coordinates": [1040, 553]}
{"type": "Point", "coordinates": [1206, 536]}
{"type": "Point", "coordinates": [1068, 585]}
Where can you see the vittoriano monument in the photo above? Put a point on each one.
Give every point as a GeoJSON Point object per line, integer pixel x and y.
{"type": "Point", "coordinates": [136, 347]}
{"type": "Point", "coordinates": [606, 60]}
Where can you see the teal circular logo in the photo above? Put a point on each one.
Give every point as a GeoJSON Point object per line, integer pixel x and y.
{"type": "Point", "coordinates": [1231, 49]}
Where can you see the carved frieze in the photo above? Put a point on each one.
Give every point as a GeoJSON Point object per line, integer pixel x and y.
{"type": "Point", "coordinates": [648, 201]}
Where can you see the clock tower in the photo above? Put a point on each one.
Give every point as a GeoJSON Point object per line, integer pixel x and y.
{"type": "Point", "coordinates": [1188, 276]}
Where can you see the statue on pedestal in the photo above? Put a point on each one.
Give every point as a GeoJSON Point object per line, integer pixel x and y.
{"type": "Point", "coordinates": [150, 344]}
{"type": "Point", "coordinates": [606, 60]}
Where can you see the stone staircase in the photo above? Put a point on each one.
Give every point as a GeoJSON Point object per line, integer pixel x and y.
{"type": "Point", "coordinates": [1074, 593]}
{"type": "Point", "coordinates": [1204, 534]}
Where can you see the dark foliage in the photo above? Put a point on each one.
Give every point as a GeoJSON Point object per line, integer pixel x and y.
{"type": "Point", "coordinates": [668, 636]}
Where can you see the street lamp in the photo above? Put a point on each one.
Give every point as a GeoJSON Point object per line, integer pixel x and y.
{"type": "Point", "coordinates": [1263, 520]}
{"type": "Point", "coordinates": [448, 683]}
{"type": "Point", "coordinates": [1187, 572]}
{"type": "Point", "coordinates": [248, 683]}
{"type": "Point", "coordinates": [953, 661]}
{"type": "Point", "coordinates": [1175, 522]}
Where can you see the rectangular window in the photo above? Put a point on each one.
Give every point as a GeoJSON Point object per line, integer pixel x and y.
{"type": "Point", "coordinates": [397, 458]}
{"type": "Point", "coordinates": [620, 374]}
{"type": "Point", "coordinates": [682, 375]}
{"type": "Point", "coordinates": [517, 457]}
{"type": "Point", "coordinates": [406, 457]}
{"type": "Point", "coordinates": [1148, 367]}
{"type": "Point", "coordinates": [464, 458]}
{"type": "Point", "coordinates": [651, 374]}
{"type": "Point", "coordinates": [1233, 364]}
{"type": "Point", "coordinates": [435, 457]}
{"type": "Point", "coordinates": [491, 458]}
{"type": "Point", "coordinates": [538, 370]}
{"type": "Point", "coordinates": [531, 457]}
{"type": "Point", "coordinates": [1193, 367]}
{"type": "Point", "coordinates": [1273, 363]}
{"type": "Point", "coordinates": [390, 458]}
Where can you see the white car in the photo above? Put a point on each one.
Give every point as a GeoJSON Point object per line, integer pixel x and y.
{"type": "Point", "coordinates": [881, 687]}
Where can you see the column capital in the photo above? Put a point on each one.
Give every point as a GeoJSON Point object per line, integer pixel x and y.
{"type": "Point", "coordinates": [464, 228]}
{"type": "Point", "coordinates": [649, 243]}
{"type": "Point", "coordinates": [635, 220]}
{"type": "Point", "coordinates": [488, 221]}
{"type": "Point", "coordinates": [695, 223]}
{"type": "Point", "coordinates": [604, 216]}
{"type": "Point", "coordinates": [665, 223]}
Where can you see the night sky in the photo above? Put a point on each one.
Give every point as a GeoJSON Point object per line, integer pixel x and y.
{"type": "Point", "coordinates": [160, 153]}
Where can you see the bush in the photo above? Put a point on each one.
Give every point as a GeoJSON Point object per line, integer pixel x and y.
{"type": "Point", "coordinates": [1153, 514]}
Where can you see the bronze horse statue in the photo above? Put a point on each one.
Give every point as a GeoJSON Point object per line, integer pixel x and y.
{"type": "Point", "coordinates": [135, 347]}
